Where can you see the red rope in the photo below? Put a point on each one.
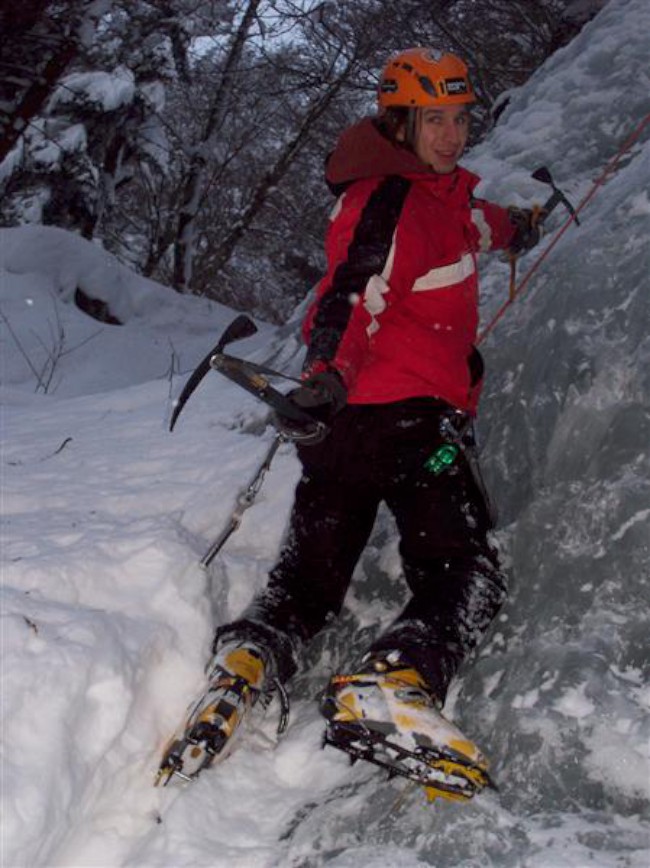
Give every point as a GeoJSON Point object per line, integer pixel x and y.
{"type": "Point", "coordinates": [611, 165]}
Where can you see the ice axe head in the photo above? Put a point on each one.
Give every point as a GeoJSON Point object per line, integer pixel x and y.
{"type": "Point", "coordinates": [543, 174]}
{"type": "Point", "coordinates": [241, 327]}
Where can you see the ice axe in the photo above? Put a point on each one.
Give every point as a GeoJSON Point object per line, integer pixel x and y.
{"type": "Point", "coordinates": [544, 176]}
{"type": "Point", "coordinates": [254, 378]}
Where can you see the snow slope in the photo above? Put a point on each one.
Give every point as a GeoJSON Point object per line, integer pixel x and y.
{"type": "Point", "coordinates": [107, 617]}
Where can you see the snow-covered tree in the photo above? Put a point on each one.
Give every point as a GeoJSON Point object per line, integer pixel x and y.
{"type": "Point", "coordinates": [104, 117]}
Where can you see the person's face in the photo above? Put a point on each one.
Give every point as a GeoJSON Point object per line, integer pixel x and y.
{"type": "Point", "coordinates": [441, 136]}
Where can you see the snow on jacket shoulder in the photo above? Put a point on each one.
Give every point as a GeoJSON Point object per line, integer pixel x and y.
{"type": "Point", "coordinates": [397, 312]}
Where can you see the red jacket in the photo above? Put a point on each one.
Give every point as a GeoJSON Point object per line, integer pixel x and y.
{"type": "Point", "coordinates": [397, 312]}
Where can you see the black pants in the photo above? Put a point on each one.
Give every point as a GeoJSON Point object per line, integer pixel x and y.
{"type": "Point", "coordinates": [373, 454]}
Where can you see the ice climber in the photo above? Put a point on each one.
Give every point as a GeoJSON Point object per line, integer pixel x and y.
{"type": "Point", "coordinates": [392, 368]}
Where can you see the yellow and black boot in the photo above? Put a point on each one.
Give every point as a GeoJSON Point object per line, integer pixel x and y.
{"type": "Point", "coordinates": [385, 713]}
{"type": "Point", "coordinates": [237, 676]}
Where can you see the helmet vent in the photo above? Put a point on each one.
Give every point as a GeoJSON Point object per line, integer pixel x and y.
{"type": "Point", "coordinates": [428, 85]}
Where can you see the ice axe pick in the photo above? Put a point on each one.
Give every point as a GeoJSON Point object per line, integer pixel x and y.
{"type": "Point", "coordinates": [241, 327]}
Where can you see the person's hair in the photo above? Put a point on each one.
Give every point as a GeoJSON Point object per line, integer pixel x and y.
{"type": "Point", "coordinates": [394, 119]}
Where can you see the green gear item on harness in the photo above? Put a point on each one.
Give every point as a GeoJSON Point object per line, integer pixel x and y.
{"type": "Point", "coordinates": [443, 457]}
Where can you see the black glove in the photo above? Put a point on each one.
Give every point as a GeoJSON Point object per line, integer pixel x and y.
{"type": "Point", "coordinates": [322, 396]}
{"type": "Point", "coordinates": [528, 227]}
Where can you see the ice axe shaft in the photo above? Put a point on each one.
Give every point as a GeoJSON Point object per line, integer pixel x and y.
{"type": "Point", "coordinates": [557, 196]}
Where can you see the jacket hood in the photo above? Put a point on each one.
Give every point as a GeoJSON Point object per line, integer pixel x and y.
{"type": "Point", "coordinates": [363, 152]}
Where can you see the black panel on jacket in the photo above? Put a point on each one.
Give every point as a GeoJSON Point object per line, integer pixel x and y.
{"type": "Point", "coordinates": [367, 255]}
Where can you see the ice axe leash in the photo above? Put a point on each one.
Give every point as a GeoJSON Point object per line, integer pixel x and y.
{"type": "Point", "coordinates": [610, 166]}
{"type": "Point", "coordinates": [245, 499]}
{"type": "Point", "coordinates": [253, 378]}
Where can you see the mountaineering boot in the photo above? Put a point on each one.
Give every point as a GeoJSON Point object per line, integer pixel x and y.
{"type": "Point", "coordinates": [386, 714]}
{"type": "Point", "coordinates": [237, 675]}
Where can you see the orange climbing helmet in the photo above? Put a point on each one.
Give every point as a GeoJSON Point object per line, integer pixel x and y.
{"type": "Point", "coordinates": [421, 77]}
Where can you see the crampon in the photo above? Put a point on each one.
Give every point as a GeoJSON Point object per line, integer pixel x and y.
{"type": "Point", "coordinates": [386, 715]}
{"type": "Point", "coordinates": [208, 733]}
{"type": "Point", "coordinates": [440, 772]}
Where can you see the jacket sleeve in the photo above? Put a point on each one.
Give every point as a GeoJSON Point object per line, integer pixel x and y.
{"type": "Point", "coordinates": [492, 227]}
{"type": "Point", "coordinates": [355, 288]}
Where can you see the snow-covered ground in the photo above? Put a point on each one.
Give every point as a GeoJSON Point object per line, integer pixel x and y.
{"type": "Point", "coordinates": [107, 617]}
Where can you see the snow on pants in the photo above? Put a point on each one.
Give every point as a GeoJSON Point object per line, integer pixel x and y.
{"type": "Point", "coordinates": [377, 453]}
